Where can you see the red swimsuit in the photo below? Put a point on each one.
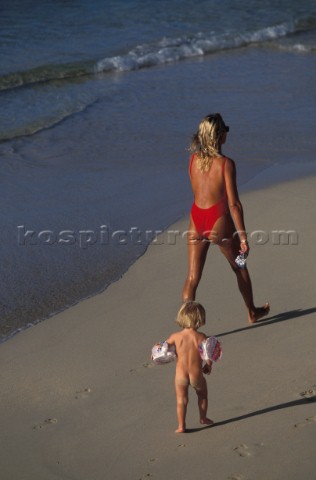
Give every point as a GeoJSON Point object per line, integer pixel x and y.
{"type": "Point", "coordinates": [205, 218]}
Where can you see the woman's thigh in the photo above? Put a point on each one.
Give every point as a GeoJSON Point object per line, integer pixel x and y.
{"type": "Point", "coordinates": [230, 248]}
{"type": "Point", "coordinates": [224, 235]}
{"type": "Point", "coordinates": [197, 250]}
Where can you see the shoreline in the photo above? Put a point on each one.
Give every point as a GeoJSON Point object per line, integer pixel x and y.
{"type": "Point", "coordinates": [86, 177]}
{"type": "Point", "coordinates": [80, 398]}
{"type": "Point", "coordinates": [276, 174]}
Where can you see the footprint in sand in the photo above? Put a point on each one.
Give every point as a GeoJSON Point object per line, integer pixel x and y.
{"type": "Point", "coordinates": [48, 421]}
{"type": "Point", "coordinates": [83, 393]}
{"type": "Point", "coordinates": [146, 475]}
{"type": "Point", "coordinates": [235, 477]}
{"type": "Point", "coordinates": [244, 451]}
{"type": "Point", "coordinates": [144, 365]}
{"type": "Point", "coordinates": [309, 394]}
{"type": "Point", "coordinates": [308, 421]}
{"type": "Point", "coordinates": [148, 365]}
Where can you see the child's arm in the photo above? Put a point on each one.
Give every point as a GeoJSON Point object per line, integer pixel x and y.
{"type": "Point", "coordinates": [207, 369]}
{"type": "Point", "coordinates": [171, 340]}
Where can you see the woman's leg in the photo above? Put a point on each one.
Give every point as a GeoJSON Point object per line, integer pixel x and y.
{"type": "Point", "coordinates": [197, 251]}
{"type": "Point", "coordinates": [230, 248]}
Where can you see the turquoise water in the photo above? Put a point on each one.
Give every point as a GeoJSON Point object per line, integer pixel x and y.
{"type": "Point", "coordinates": [98, 105]}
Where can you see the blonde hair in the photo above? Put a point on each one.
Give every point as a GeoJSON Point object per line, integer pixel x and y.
{"type": "Point", "coordinates": [191, 315]}
{"type": "Point", "coordinates": [206, 142]}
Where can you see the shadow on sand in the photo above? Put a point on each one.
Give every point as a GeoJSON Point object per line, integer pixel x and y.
{"type": "Point", "coordinates": [281, 406]}
{"type": "Point", "coordinates": [281, 317]}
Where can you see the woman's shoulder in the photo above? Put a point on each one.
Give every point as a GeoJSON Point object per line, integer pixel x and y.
{"type": "Point", "coordinates": [229, 164]}
{"type": "Point", "coordinates": [193, 157]}
{"type": "Point", "coordinates": [228, 160]}
{"type": "Point", "coordinates": [192, 160]}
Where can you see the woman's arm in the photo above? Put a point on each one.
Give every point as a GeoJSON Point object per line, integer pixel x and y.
{"type": "Point", "coordinates": [235, 205]}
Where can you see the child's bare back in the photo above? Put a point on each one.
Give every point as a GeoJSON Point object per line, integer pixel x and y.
{"type": "Point", "coordinates": [189, 368]}
{"type": "Point", "coordinates": [189, 362]}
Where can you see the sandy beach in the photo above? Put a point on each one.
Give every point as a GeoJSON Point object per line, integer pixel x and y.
{"type": "Point", "coordinates": [81, 400]}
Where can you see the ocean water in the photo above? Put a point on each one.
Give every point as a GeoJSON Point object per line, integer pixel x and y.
{"type": "Point", "coordinates": [98, 104]}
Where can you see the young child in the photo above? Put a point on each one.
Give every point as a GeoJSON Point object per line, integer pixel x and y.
{"type": "Point", "coordinates": [189, 370]}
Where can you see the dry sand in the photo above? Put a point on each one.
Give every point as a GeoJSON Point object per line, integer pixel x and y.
{"type": "Point", "coordinates": [80, 399]}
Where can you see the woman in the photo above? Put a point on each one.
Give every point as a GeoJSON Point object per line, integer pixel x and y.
{"type": "Point", "coordinates": [216, 214]}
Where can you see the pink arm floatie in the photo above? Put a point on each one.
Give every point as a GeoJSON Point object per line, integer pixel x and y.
{"type": "Point", "coordinates": [210, 349]}
{"type": "Point", "coordinates": [163, 353]}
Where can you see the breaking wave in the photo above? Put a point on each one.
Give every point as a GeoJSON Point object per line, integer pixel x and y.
{"type": "Point", "coordinates": [167, 50]}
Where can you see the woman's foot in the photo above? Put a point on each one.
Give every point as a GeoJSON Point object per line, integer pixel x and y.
{"type": "Point", "coordinates": [258, 313]}
{"type": "Point", "coordinates": [206, 421]}
{"type": "Point", "coordinates": [180, 430]}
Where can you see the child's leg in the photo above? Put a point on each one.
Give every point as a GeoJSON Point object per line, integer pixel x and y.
{"type": "Point", "coordinates": [182, 403]}
{"type": "Point", "coordinates": [200, 387]}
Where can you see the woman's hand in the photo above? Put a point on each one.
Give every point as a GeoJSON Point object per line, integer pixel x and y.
{"type": "Point", "coordinates": [244, 247]}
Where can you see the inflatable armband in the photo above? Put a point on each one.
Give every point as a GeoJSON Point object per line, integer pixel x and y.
{"type": "Point", "coordinates": [163, 353]}
{"type": "Point", "coordinates": [210, 349]}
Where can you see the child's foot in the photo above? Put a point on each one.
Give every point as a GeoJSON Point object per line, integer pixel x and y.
{"type": "Point", "coordinates": [206, 421]}
{"type": "Point", "coordinates": [259, 313]}
{"type": "Point", "coordinates": [180, 430]}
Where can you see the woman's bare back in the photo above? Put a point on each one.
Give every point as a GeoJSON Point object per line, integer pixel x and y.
{"type": "Point", "coordinates": [208, 187]}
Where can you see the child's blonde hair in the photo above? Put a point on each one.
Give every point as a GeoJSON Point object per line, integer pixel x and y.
{"type": "Point", "coordinates": [191, 315]}
{"type": "Point", "coordinates": [207, 141]}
